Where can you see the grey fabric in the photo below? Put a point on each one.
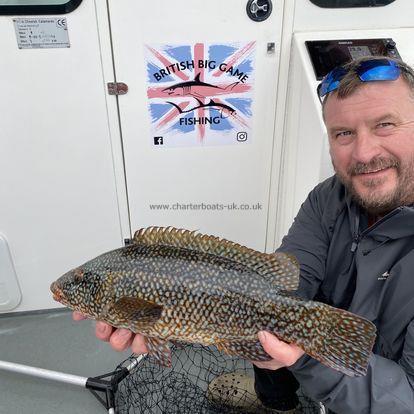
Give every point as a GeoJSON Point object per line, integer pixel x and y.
{"type": "Point", "coordinates": [335, 255]}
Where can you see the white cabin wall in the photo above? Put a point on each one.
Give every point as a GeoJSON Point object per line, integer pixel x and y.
{"type": "Point", "coordinates": [311, 18]}
{"type": "Point", "coordinates": [61, 203]}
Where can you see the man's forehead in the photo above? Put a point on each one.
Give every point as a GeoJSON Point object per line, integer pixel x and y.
{"type": "Point", "coordinates": [374, 100]}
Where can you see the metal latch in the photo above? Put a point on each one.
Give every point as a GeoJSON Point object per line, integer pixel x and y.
{"type": "Point", "coordinates": [117, 88]}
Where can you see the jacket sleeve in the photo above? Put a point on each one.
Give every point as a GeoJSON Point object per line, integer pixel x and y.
{"type": "Point", "coordinates": [308, 241]}
{"type": "Point", "coordinates": [388, 385]}
{"type": "Point", "coordinates": [387, 388]}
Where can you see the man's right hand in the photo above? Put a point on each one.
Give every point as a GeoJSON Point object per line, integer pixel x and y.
{"type": "Point", "coordinates": [119, 339]}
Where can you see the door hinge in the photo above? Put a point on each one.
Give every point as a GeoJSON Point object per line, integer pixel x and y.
{"type": "Point", "coordinates": [117, 88]}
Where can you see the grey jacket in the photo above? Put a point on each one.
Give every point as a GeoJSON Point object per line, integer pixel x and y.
{"type": "Point", "coordinates": [331, 247]}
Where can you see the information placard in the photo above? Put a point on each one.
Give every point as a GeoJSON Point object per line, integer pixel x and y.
{"type": "Point", "coordinates": [41, 33]}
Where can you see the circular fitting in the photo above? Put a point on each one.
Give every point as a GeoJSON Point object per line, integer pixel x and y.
{"type": "Point", "coordinates": [259, 10]}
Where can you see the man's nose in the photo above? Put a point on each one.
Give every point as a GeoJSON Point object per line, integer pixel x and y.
{"type": "Point", "coordinates": [366, 147]}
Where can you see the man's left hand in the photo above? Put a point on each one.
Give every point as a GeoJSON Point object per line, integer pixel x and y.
{"type": "Point", "coordinates": [283, 354]}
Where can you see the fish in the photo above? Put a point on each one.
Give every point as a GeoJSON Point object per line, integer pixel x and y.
{"type": "Point", "coordinates": [197, 88]}
{"type": "Point", "coordinates": [223, 108]}
{"type": "Point", "coordinates": [174, 285]}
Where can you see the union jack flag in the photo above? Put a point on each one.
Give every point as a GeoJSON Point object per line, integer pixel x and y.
{"type": "Point", "coordinates": [200, 93]}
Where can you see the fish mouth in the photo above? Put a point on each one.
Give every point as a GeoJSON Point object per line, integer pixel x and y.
{"type": "Point", "coordinates": [57, 293]}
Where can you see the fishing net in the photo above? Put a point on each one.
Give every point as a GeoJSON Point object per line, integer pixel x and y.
{"type": "Point", "coordinates": [184, 388]}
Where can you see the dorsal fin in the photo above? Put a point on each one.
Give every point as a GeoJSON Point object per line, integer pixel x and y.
{"type": "Point", "coordinates": [197, 77]}
{"type": "Point", "coordinates": [280, 269]}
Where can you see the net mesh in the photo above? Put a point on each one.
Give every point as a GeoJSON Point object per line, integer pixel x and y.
{"type": "Point", "coordinates": [184, 388]}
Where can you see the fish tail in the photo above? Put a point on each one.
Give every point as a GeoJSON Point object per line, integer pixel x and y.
{"type": "Point", "coordinates": [178, 108]}
{"type": "Point", "coordinates": [345, 341]}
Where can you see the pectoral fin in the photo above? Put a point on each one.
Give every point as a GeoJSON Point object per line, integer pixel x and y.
{"type": "Point", "coordinates": [160, 350]}
{"type": "Point", "coordinates": [136, 310]}
{"type": "Point", "coordinates": [250, 350]}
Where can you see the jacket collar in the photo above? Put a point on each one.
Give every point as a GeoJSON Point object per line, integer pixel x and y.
{"type": "Point", "coordinates": [396, 224]}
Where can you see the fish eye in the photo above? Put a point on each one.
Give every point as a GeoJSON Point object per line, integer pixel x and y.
{"type": "Point", "coordinates": [78, 275]}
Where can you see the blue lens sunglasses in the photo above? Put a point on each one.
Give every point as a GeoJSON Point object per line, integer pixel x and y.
{"type": "Point", "coordinates": [367, 70]}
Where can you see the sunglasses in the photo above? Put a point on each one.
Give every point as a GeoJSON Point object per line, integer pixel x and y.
{"type": "Point", "coordinates": [367, 71]}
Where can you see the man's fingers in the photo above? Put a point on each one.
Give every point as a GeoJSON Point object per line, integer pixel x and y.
{"type": "Point", "coordinates": [78, 316]}
{"type": "Point", "coordinates": [138, 345]}
{"type": "Point", "coordinates": [103, 331]}
{"type": "Point", "coordinates": [121, 339]}
{"type": "Point", "coordinates": [285, 353]}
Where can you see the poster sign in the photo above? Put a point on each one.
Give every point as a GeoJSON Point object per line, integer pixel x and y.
{"type": "Point", "coordinates": [200, 94]}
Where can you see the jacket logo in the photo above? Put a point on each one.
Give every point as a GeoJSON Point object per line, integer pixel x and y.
{"type": "Point", "coordinates": [384, 276]}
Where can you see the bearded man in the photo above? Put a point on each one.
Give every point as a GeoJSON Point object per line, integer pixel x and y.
{"type": "Point", "coordinates": [354, 240]}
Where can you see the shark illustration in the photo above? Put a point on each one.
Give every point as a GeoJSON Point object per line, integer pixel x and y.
{"type": "Point", "coordinates": [196, 88]}
{"type": "Point", "coordinates": [223, 108]}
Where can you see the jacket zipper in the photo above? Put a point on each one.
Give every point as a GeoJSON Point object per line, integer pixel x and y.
{"type": "Point", "coordinates": [358, 236]}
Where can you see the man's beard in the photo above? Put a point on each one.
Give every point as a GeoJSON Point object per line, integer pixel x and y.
{"type": "Point", "coordinates": [376, 203]}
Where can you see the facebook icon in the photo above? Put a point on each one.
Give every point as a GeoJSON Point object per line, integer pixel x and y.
{"type": "Point", "coordinates": [158, 141]}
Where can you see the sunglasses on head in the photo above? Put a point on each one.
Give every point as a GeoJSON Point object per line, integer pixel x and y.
{"type": "Point", "coordinates": [367, 71]}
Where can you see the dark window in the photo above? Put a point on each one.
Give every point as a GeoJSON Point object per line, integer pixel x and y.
{"type": "Point", "coordinates": [29, 7]}
{"type": "Point", "coordinates": [337, 4]}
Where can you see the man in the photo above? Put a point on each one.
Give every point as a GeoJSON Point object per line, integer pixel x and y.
{"type": "Point", "coordinates": [354, 239]}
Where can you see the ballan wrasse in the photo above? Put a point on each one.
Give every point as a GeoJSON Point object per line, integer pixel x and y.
{"type": "Point", "coordinates": [176, 285]}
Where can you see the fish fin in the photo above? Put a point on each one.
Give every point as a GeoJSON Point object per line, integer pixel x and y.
{"type": "Point", "coordinates": [178, 344]}
{"type": "Point", "coordinates": [137, 310]}
{"type": "Point", "coordinates": [347, 343]}
{"type": "Point", "coordinates": [285, 275]}
{"type": "Point", "coordinates": [177, 106]}
{"type": "Point", "coordinates": [159, 349]}
{"type": "Point", "coordinates": [199, 102]}
{"type": "Point", "coordinates": [232, 85]}
{"type": "Point", "coordinates": [280, 269]}
{"type": "Point", "coordinates": [197, 77]}
{"type": "Point", "coordinates": [250, 350]}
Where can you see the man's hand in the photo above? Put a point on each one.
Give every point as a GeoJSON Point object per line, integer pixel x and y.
{"type": "Point", "coordinates": [283, 354]}
{"type": "Point", "coordinates": [119, 339]}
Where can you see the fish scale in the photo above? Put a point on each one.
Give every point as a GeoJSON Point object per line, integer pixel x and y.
{"type": "Point", "coordinates": [176, 285]}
